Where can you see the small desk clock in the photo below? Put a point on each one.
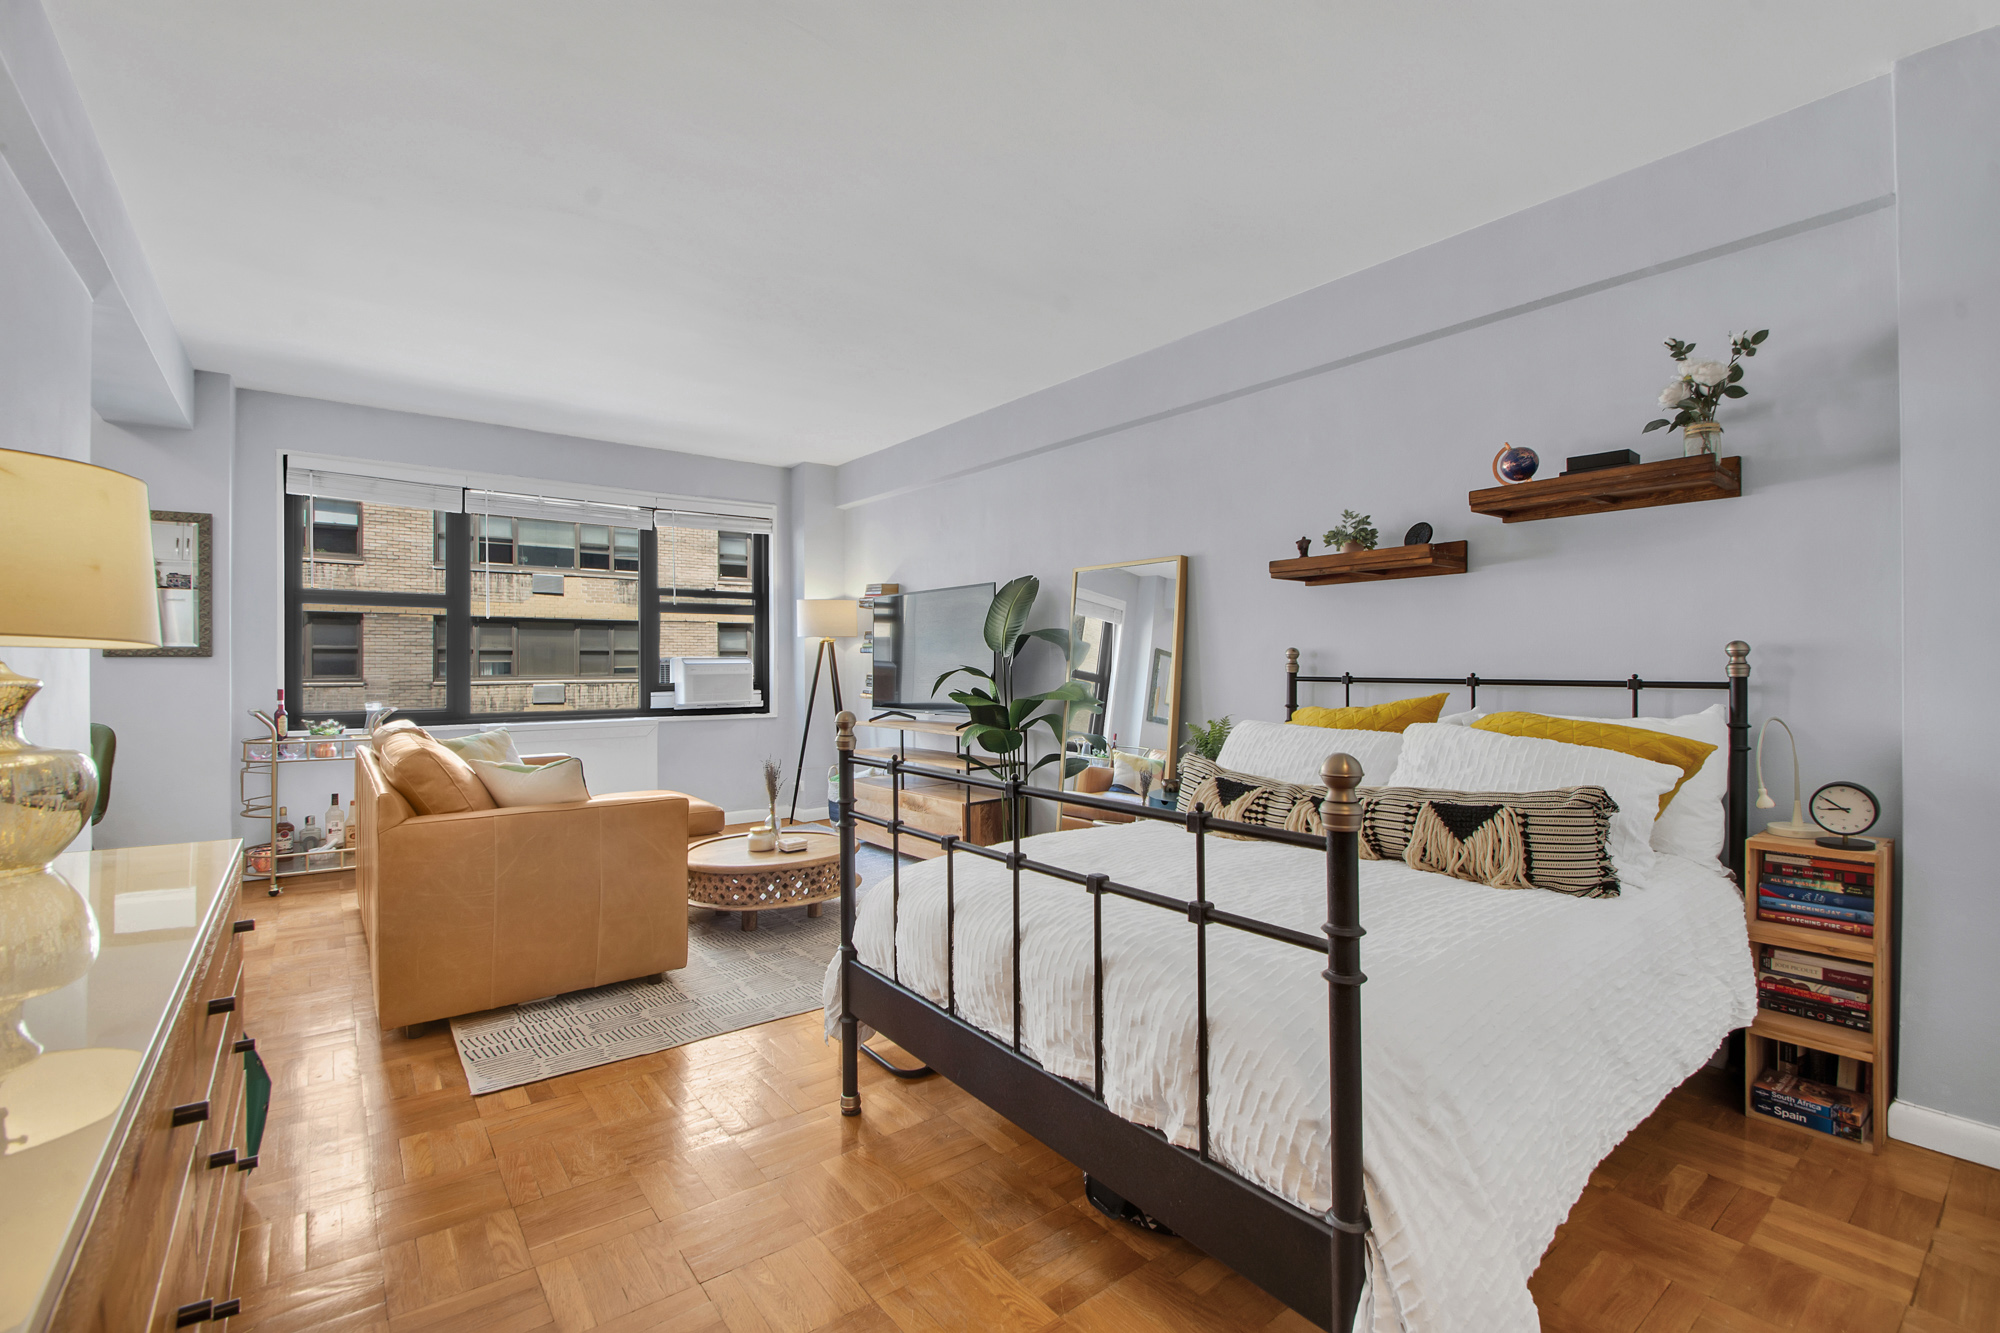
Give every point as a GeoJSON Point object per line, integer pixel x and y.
{"type": "Point", "coordinates": [1846, 810]}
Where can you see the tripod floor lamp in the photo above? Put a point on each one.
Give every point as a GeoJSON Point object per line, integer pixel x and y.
{"type": "Point", "coordinates": [825, 619]}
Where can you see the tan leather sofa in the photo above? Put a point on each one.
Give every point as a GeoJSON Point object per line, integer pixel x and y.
{"type": "Point", "coordinates": [483, 908]}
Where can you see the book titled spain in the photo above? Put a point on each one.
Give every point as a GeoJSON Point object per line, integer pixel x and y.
{"type": "Point", "coordinates": [1775, 1088]}
{"type": "Point", "coordinates": [1813, 923]}
{"type": "Point", "coordinates": [1765, 1104]}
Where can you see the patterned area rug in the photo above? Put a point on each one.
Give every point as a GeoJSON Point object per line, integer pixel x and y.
{"type": "Point", "coordinates": [734, 979]}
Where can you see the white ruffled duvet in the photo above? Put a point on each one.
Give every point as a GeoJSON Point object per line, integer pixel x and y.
{"type": "Point", "coordinates": [1511, 1038]}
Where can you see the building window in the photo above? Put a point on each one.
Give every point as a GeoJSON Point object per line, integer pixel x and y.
{"type": "Point", "coordinates": [336, 527]}
{"type": "Point", "coordinates": [333, 647]}
{"type": "Point", "coordinates": [732, 555]}
{"type": "Point", "coordinates": [494, 645]}
{"type": "Point", "coordinates": [455, 631]}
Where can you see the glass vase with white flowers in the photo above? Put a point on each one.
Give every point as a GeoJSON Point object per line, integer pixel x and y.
{"type": "Point", "coordinates": [1698, 388]}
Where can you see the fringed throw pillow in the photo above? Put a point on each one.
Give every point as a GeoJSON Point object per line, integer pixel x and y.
{"type": "Point", "coordinates": [1555, 840]}
{"type": "Point", "coordinates": [1246, 798]}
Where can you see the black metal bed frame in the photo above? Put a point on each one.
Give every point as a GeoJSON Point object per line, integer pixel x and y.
{"type": "Point", "coordinates": [1314, 1264]}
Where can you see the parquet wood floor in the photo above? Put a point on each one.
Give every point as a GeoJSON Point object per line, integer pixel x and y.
{"type": "Point", "coordinates": [716, 1187]}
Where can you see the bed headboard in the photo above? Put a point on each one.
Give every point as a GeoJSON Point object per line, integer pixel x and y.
{"type": "Point", "coordinates": [1735, 681]}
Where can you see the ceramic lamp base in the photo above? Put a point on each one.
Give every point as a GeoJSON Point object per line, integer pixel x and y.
{"type": "Point", "coordinates": [1785, 828]}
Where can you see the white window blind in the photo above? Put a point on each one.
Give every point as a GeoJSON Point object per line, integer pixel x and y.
{"type": "Point", "coordinates": [327, 485]}
{"type": "Point", "coordinates": [559, 510]}
{"type": "Point", "coordinates": [1100, 606]}
{"type": "Point", "coordinates": [452, 491]}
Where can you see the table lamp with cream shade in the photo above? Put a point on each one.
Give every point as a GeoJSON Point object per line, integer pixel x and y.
{"type": "Point", "coordinates": [76, 571]}
{"type": "Point", "coordinates": [825, 619]}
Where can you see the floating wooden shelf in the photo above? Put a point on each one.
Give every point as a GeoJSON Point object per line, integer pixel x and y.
{"type": "Point", "coordinates": [1671, 481]}
{"type": "Point", "coordinates": [1393, 562]}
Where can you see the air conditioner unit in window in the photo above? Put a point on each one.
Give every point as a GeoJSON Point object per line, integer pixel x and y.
{"type": "Point", "coordinates": [714, 682]}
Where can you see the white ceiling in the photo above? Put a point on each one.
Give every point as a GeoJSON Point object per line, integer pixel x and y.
{"type": "Point", "coordinates": [784, 230]}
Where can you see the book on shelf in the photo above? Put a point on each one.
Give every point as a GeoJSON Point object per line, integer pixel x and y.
{"type": "Point", "coordinates": [1765, 912]}
{"type": "Point", "coordinates": [1805, 989]}
{"type": "Point", "coordinates": [1780, 888]}
{"type": "Point", "coordinates": [1812, 867]}
{"type": "Point", "coordinates": [1802, 1101]}
{"type": "Point", "coordinates": [1811, 1009]}
{"type": "Point", "coordinates": [1846, 972]}
{"type": "Point", "coordinates": [1797, 908]}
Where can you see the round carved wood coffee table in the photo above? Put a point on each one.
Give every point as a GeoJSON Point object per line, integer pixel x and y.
{"type": "Point", "coordinates": [724, 874]}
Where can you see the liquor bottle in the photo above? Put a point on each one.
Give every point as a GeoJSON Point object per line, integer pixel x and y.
{"type": "Point", "coordinates": [309, 836]}
{"type": "Point", "coordinates": [284, 833]}
{"type": "Point", "coordinates": [336, 823]}
{"type": "Point", "coordinates": [353, 836]}
{"type": "Point", "coordinates": [278, 718]}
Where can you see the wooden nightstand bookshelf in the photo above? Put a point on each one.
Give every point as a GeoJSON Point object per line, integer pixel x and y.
{"type": "Point", "coordinates": [1868, 1049]}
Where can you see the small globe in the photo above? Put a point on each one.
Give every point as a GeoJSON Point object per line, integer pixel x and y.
{"type": "Point", "coordinates": [1516, 463]}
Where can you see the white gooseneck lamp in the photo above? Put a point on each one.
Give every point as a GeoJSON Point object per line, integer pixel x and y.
{"type": "Point", "coordinates": [1796, 826]}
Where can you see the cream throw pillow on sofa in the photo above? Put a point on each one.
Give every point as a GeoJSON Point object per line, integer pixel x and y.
{"type": "Point", "coordinates": [558, 783]}
{"type": "Point", "coordinates": [494, 745]}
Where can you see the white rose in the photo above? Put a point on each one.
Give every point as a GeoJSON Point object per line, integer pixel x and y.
{"type": "Point", "coordinates": [1707, 372]}
{"type": "Point", "coordinates": [1671, 395]}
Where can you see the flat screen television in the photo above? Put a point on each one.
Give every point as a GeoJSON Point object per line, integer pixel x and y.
{"type": "Point", "coordinates": [921, 635]}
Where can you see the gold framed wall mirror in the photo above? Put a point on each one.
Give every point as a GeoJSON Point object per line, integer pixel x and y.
{"type": "Point", "coordinates": [1127, 622]}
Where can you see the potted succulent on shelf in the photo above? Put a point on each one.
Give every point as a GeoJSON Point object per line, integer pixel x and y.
{"type": "Point", "coordinates": [1355, 533]}
{"type": "Point", "coordinates": [1698, 388]}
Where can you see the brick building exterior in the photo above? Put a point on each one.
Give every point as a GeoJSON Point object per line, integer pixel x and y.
{"type": "Point", "coordinates": [395, 656]}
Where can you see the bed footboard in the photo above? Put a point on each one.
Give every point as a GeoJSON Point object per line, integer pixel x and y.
{"type": "Point", "coordinates": [1314, 1264]}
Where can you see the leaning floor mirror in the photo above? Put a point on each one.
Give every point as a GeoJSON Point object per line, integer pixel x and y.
{"type": "Point", "coordinates": [1125, 648]}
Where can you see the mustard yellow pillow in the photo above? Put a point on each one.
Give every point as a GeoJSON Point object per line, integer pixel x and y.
{"type": "Point", "coordinates": [1376, 717]}
{"type": "Point", "coordinates": [1678, 751]}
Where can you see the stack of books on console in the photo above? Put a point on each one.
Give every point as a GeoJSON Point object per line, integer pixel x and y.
{"type": "Point", "coordinates": [1819, 1106]}
{"type": "Point", "coordinates": [1817, 893]}
{"type": "Point", "coordinates": [1807, 985]}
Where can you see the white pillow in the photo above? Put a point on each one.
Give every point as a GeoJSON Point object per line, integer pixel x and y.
{"type": "Point", "coordinates": [1695, 823]}
{"type": "Point", "coordinates": [1292, 752]}
{"type": "Point", "coordinates": [495, 744]}
{"type": "Point", "coordinates": [559, 783]}
{"type": "Point", "coordinates": [1460, 759]}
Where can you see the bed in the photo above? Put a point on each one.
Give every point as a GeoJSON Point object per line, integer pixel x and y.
{"type": "Point", "coordinates": [1135, 996]}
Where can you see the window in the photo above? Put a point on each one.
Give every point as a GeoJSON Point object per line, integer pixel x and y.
{"type": "Point", "coordinates": [336, 528]}
{"type": "Point", "coordinates": [453, 630]}
{"type": "Point", "coordinates": [496, 539]}
{"type": "Point", "coordinates": [546, 545]}
{"type": "Point", "coordinates": [333, 647]}
{"type": "Point", "coordinates": [732, 555]}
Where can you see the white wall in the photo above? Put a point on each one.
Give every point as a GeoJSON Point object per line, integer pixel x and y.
{"type": "Point", "coordinates": [176, 775]}
{"type": "Point", "coordinates": [44, 409]}
{"type": "Point", "coordinates": [1388, 392]}
{"type": "Point", "coordinates": [1948, 187]}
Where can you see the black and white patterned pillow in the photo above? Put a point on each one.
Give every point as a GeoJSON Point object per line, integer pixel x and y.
{"type": "Point", "coordinates": [1247, 798]}
{"type": "Point", "coordinates": [1555, 840]}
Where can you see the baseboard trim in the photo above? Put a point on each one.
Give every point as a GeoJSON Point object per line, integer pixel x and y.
{"type": "Point", "coordinates": [751, 816]}
{"type": "Point", "coordinates": [1941, 1131]}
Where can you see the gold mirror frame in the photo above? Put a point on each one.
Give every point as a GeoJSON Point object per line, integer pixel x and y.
{"type": "Point", "coordinates": [1146, 673]}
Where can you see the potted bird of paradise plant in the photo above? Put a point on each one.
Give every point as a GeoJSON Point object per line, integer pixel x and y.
{"type": "Point", "coordinates": [1001, 719]}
